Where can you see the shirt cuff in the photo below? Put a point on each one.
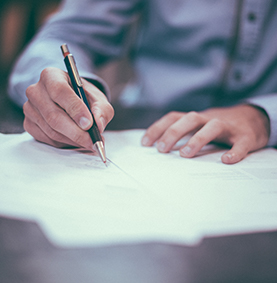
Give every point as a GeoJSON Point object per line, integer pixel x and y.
{"type": "Point", "coordinates": [269, 104]}
{"type": "Point", "coordinates": [98, 82]}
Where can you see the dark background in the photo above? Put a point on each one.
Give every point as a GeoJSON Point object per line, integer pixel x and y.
{"type": "Point", "coordinates": [19, 20]}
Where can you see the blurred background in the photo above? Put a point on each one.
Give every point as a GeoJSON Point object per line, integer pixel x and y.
{"type": "Point", "coordinates": [19, 21]}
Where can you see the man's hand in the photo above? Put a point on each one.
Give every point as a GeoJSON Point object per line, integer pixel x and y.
{"type": "Point", "coordinates": [55, 115]}
{"type": "Point", "coordinates": [244, 127]}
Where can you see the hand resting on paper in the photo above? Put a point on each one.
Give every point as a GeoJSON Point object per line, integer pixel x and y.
{"type": "Point", "coordinates": [55, 115]}
{"type": "Point", "coordinates": [244, 127]}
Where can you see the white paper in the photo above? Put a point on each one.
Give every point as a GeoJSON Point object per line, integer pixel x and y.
{"type": "Point", "coordinates": [146, 196]}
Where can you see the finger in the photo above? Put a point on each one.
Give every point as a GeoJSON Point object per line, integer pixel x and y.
{"type": "Point", "coordinates": [209, 132]}
{"type": "Point", "coordinates": [34, 118]}
{"type": "Point", "coordinates": [239, 150]}
{"type": "Point", "coordinates": [102, 110]}
{"type": "Point", "coordinates": [57, 118]}
{"type": "Point", "coordinates": [39, 135]}
{"type": "Point", "coordinates": [156, 130]}
{"type": "Point", "coordinates": [57, 85]}
{"type": "Point", "coordinates": [186, 124]}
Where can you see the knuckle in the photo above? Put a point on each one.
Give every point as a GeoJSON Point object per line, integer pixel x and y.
{"type": "Point", "coordinates": [199, 139]}
{"type": "Point", "coordinates": [156, 128]}
{"type": "Point", "coordinates": [78, 138]}
{"type": "Point", "coordinates": [46, 73]}
{"type": "Point", "coordinates": [103, 109]}
{"type": "Point", "coordinates": [111, 111]}
{"type": "Point", "coordinates": [108, 113]}
{"type": "Point", "coordinates": [31, 114]}
{"type": "Point", "coordinates": [172, 132]}
{"type": "Point", "coordinates": [31, 128]}
{"type": "Point", "coordinates": [31, 91]}
{"type": "Point", "coordinates": [25, 108]}
{"type": "Point", "coordinates": [52, 83]}
{"type": "Point", "coordinates": [26, 125]}
{"type": "Point", "coordinates": [172, 115]}
{"type": "Point", "coordinates": [217, 123]}
{"type": "Point", "coordinates": [57, 90]}
{"type": "Point", "coordinates": [52, 119]}
{"type": "Point", "coordinates": [193, 116]}
{"type": "Point", "coordinates": [53, 135]}
{"type": "Point", "coordinates": [150, 131]}
{"type": "Point", "coordinates": [75, 108]}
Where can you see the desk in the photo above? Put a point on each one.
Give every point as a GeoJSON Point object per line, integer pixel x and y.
{"type": "Point", "coordinates": [27, 256]}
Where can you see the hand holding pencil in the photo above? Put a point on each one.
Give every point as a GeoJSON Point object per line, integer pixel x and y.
{"type": "Point", "coordinates": [78, 88]}
{"type": "Point", "coordinates": [55, 115]}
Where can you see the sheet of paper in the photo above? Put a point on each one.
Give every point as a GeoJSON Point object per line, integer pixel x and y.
{"type": "Point", "coordinates": [77, 200]}
{"type": "Point", "coordinates": [219, 199]}
{"type": "Point", "coordinates": [145, 196]}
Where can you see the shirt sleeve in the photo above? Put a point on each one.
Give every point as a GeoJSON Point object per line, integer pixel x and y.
{"type": "Point", "coordinates": [96, 31]}
{"type": "Point", "coordinates": [269, 104]}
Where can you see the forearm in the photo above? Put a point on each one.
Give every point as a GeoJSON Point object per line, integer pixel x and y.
{"type": "Point", "coordinates": [39, 55]}
{"type": "Point", "coordinates": [96, 32]}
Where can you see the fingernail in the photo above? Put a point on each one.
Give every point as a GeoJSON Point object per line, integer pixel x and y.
{"type": "Point", "coordinates": [226, 158]}
{"type": "Point", "coordinates": [161, 146]}
{"type": "Point", "coordinates": [186, 151]}
{"type": "Point", "coordinates": [84, 123]}
{"type": "Point", "coordinates": [145, 141]}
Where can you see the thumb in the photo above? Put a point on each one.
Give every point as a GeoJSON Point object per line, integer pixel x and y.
{"type": "Point", "coordinates": [238, 151]}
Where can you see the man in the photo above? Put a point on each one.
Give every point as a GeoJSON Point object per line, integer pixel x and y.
{"type": "Point", "coordinates": [213, 61]}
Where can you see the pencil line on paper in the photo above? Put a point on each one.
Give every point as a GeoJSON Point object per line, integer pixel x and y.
{"type": "Point", "coordinates": [123, 171]}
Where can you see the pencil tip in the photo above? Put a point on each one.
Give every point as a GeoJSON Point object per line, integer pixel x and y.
{"type": "Point", "coordinates": [101, 151]}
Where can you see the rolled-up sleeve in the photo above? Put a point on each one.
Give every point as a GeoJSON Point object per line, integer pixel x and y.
{"type": "Point", "coordinates": [96, 32]}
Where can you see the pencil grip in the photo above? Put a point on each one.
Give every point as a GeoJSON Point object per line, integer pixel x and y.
{"type": "Point", "coordinates": [93, 131]}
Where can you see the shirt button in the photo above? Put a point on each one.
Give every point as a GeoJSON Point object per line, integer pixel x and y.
{"type": "Point", "coordinates": [251, 17]}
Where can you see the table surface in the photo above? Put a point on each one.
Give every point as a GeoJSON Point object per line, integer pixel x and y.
{"type": "Point", "coordinates": [27, 256]}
